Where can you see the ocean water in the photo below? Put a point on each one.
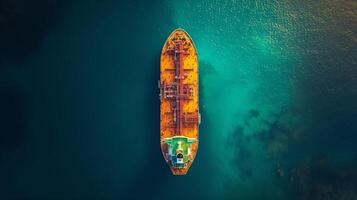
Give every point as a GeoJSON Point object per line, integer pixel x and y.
{"type": "Point", "coordinates": [79, 106]}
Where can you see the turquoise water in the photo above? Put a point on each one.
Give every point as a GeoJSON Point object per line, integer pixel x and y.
{"type": "Point", "coordinates": [261, 62]}
{"type": "Point", "coordinates": [278, 90]}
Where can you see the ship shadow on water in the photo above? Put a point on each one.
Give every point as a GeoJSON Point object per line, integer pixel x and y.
{"type": "Point", "coordinates": [154, 172]}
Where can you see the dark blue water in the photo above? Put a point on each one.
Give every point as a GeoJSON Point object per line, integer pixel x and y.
{"type": "Point", "coordinates": [79, 107]}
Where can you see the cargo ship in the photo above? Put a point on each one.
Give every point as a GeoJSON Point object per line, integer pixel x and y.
{"type": "Point", "coordinates": [179, 101]}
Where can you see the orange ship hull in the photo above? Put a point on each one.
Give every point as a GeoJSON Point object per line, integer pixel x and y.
{"type": "Point", "coordinates": [179, 96]}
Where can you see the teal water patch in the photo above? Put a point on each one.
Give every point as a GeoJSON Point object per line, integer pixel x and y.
{"type": "Point", "coordinates": [251, 67]}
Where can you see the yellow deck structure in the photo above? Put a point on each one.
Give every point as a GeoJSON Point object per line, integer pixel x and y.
{"type": "Point", "coordinates": [179, 96]}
